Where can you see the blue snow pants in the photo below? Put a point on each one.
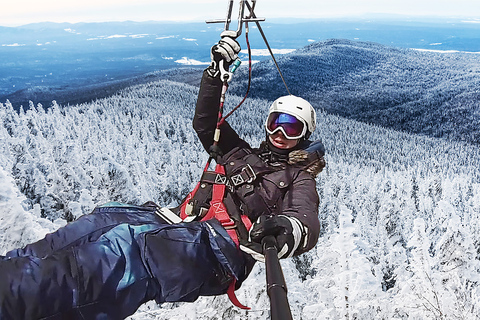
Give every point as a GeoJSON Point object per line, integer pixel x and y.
{"type": "Point", "coordinates": [106, 264]}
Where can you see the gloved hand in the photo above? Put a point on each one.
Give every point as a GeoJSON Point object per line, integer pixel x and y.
{"type": "Point", "coordinates": [289, 233]}
{"type": "Point", "coordinates": [226, 50]}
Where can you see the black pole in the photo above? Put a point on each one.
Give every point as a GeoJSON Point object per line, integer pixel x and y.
{"type": "Point", "coordinates": [276, 286]}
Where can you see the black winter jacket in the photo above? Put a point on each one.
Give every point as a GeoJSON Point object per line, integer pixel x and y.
{"type": "Point", "coordinates": [280, 186]}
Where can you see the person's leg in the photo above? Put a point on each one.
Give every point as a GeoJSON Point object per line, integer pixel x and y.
{"type": "Point", "coordinates": [125, 267]}
{"type": "Point", "coordinates": [88, 228]}
{"type": "Point", "coordinates": [103, 279]}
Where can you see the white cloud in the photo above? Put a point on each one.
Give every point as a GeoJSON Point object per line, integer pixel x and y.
{"type": "Point", "coordinates": [191, 62]}
{"type": "Point", "coordinates": [116, 36]}
{"type": "Point", "coordinates": [445, 51]}
{"type": "Point", "coordinates": [265, 52]}
{"type": "Point", "coordinates": [138, 36]}
{"type": "Point", "coordinates": [13, 45]}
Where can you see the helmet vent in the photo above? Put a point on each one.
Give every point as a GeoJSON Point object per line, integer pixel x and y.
{"type": "Point", "coordinates": [299, 108]}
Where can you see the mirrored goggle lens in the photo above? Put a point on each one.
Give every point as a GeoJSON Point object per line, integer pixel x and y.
{"type": "Point", "coordinates": [291, 126]}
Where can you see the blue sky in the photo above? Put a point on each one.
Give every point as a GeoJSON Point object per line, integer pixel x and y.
{"type": "Point", "coordinates": [18, 12]}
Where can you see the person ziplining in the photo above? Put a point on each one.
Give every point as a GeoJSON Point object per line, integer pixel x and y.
{"type": "Point", "coordinates": [109, 262]}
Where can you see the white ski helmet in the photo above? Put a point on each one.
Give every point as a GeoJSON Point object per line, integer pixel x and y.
{"type": "Point", "coordinates": [297, 107]}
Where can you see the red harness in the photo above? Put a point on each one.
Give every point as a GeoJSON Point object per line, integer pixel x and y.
{"type": "Point", "coordinates": [218, 211]}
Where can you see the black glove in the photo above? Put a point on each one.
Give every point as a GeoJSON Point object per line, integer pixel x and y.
{"type": "Point", "coordinates": [289, 233]}
{"type": "Point", "coordinates": [224, 53]}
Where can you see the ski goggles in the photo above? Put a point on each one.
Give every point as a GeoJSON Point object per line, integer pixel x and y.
{"type": "Point", "coordinates": [290, 126]}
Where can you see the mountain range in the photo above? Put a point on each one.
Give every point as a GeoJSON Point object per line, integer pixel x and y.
{"type": "Point", "coordinates": [73, 63]}
{"type": "Point", "coordinates": [422, 92]}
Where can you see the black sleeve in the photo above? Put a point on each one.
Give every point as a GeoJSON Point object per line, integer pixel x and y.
{"type": "Point", "coordinates": [301, 201]}
{"type": "Point", "coordinates": [206, 116]}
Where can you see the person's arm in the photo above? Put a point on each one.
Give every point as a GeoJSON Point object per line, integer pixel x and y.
{"type": "Point", "coordinates": [296, 227]}
{"type": "Point", "coordinates": [301, 202]}
{"type": "Point", "coordinates": [206, 116]}
{"type": "Point", "coordinates": [208, 102]}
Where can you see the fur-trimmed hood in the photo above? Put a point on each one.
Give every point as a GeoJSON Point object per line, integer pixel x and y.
{"type": "Point", "coordinates": [308, 154]}
{"type": "Point", "coordinates": [311, 156]}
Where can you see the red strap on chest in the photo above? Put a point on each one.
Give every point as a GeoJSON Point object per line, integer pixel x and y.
{"type": "Point", "coordinates": [218, 210]}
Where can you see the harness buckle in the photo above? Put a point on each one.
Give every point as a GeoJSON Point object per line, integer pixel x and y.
{"type": "Point", "coordinates": [247, 175]}
{"type": "Point", "coordinates": [229, 225]}
{"type": "Point", "coordinates": [250, 173]}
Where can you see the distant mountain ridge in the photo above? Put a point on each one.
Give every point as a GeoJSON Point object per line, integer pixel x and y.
{"type": "Point", "coordinates": [83, 54]}
{"type": "Point", "coordinates": [430, 93]}
{"type": "Point", "coordinates": [72, 95]}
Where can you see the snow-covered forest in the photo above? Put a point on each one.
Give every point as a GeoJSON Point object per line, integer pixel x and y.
{"type": "Point", "coordinates": [400, 213]}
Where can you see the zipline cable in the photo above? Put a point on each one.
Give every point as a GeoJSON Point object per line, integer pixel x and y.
{"type": "Point", "coordinates": [268, 46]}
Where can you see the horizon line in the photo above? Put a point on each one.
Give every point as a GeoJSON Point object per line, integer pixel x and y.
{"type": "Point", "coordinates": [284, 20]}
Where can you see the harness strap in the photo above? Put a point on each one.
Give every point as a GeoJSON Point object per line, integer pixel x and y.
{"type": "Point", "coordinates": [218, 211]}
{"type": "Point", "coordinates": [214, 178]}
{"type": "Point", "coordinates": [217, 208]}
{"type": "Point", "coordinates": [233, 298]}
{"type": "Point", "coordinates": [246, 175]}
